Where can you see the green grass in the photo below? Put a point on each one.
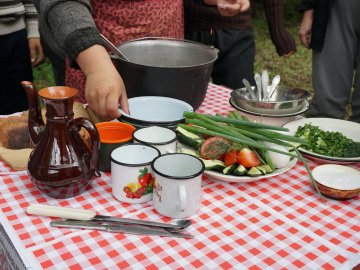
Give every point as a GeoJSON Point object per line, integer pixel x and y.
{"type": "Point", "coordinates": [43, 75]}
{"type": "Point", "coordinates": [295, 71]}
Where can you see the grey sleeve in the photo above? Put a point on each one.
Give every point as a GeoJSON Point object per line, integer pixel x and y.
{"type": "Point", "coordinates": [71, 24]}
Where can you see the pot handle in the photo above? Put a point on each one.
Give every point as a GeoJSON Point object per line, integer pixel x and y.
{"type": "Point", "coordinates": [75, 126]}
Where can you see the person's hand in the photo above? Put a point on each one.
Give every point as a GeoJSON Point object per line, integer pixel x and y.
{"type": "Point", "coordinates": [104, 87]}
{"type": "Point", "coordinates": [289, 54]}
{"type": "Point", "coordinates": [305, 28]}
{"type": "Point", "coordinates": [229, 7]}
{"type": "Point", "coordinates": [36, 51]}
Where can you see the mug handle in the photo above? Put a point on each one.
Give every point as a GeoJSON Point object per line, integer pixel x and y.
{"type": "Point", "coordinates": [182, 197]}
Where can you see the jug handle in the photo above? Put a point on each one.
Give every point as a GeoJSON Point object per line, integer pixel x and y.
{"type": "Point", "coordinates": [81, 122]}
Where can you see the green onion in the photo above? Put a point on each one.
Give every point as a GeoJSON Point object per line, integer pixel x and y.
{"type": "Point", "coordinates": [215, 131]}
{"type": "Point", "coordinates": [240, 130]}
{"type": "Point", "coordinates": [233, 121]}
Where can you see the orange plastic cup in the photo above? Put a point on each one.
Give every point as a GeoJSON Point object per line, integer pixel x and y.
{"type": "Point", "coordinates": [112, 135]}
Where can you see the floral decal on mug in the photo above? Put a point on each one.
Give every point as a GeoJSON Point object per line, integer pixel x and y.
{"type": "Point", "coordinates": [157, 190]}
{"type": "Point", "coordinates": [143, 186]}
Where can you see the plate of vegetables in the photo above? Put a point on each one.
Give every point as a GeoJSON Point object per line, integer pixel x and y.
{"type": "Point", "coordinates": [329, 140]}
{"type": "Point", "coordinates": [234, 149]}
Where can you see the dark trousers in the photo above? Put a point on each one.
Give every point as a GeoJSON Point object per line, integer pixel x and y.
{"type": "Point", "coordinates": [236, 55]}
{"type": "Point", "coordinates": [15, 66]}
{"type": "Point", "coordinates": [336, 69]}
{"type": "Point", "coordinates": [57, 62]}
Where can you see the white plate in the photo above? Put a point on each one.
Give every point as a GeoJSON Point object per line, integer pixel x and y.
{"type": "Point", "coordinates": [153, 109]}
{"type": "Point", "coordinates": [347, 128]}
{"type": "Point", "coordinates": [246, 179]}
{"type": "Point", "coordinates": [303, 109]}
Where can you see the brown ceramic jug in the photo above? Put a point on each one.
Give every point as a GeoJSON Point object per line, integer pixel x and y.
{"type": "Point", "coordinates": [61, 164]}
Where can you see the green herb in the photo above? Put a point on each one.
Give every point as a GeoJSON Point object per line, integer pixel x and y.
{"type": "Point", "coordinates": [328, 143]}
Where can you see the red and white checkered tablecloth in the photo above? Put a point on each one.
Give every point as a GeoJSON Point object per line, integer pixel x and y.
{"type": "Point", "coordinates": [274, 223]}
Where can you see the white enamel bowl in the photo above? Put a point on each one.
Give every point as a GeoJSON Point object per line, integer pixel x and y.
{"type": "Point", "coordinates": [154, 110]}
{"type": "Point", "coordinates": [337, 181]}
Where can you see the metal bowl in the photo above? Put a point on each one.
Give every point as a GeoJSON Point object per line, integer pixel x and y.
{"type": "Point", "coordinates": [285, 100]}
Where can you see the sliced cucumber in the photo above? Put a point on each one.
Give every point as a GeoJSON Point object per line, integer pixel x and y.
{"type": "Point", "coordinates": [230, 169]}
{"type": "Point", "coordinates": [240, 170]}
{"type": "Point", "coordinates": [254, 172]}
{"type": "Point", "coordinates": [267, 168]}
{"type": "Point", "coordinates": [189, 151]}
{"type": "Point", "coordinates": [214, 165]}
{"type": "Point", "coordinates": [188, 137]}
{"type": "Point", "coordinates": [261, 169]}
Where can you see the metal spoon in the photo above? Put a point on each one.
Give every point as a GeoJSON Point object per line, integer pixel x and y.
{"type": "Point", "coordinates": [249, 89]}
{"type": "Point", "coordinates": [257, 78]}
{"type": "Point", "coordinates": [275, 82]}
{"type": "Point", "coordinates": [113, 48]}
{"type": "Point", "coordinates": [265, 84]}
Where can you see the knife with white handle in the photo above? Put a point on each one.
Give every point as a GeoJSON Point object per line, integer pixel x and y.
{"type": "Point", "coordinates": [81, 214]}
{"type": "Point", "coordinates": [61, 212]}
{"type": "Point", "coordinates": [118, 228]}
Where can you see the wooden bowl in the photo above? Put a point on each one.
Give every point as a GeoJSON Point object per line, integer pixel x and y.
{"type": "Point", "coordinates": [337, 181]}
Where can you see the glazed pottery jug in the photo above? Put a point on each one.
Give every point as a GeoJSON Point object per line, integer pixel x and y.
{"type": "Point", "coordinates": [61, 164]}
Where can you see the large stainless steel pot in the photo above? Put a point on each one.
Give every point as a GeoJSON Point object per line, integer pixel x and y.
{"type": "Point", "coordinates": [174, 68]}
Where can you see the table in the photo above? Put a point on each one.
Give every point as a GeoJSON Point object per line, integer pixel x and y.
{"type": "Point", "coordinates": [275, 223]}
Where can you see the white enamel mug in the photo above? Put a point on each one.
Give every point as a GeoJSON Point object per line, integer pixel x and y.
{"type": "Point", "coordinates": [162, 138]}
{"type": "Point", "coordinates": [131, 174]}
{"type": "Point", "coordinates": [177, 186]}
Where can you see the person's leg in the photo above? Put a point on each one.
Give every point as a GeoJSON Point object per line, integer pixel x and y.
{"type": "Point", "coordinates": [236, 55]}
{"type": "Point", "coordinates": [57, 62]}
{"type": "Point", "coordinates": [333, 67]}
{"type": "Point", "coordinates": [355, 98]}
{"type": "Point", "coordinates": [15, 67]}
{"type": "Point", "coordinates": [236, 58]}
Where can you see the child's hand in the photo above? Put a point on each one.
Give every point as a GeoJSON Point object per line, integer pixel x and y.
{"type": "Point", "coordinates": [36, 51]}
{"type": "Point", "coordinates": [104, 87]}
{"type": "Point", "coordinates": [103, 90]}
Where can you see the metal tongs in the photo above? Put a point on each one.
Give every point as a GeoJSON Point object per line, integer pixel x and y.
{"type": "Point", "coordinates": [80, 218]}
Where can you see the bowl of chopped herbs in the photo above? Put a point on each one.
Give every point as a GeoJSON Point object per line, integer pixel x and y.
{"type": "Point", "coordinates": [329, 140]}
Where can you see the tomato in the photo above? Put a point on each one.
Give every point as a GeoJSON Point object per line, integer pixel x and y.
{"type": "Point", "coordinates": [221, 157]}
{"type": "Point", "coordinates": [145, 179]}
{"type": "Point", "coordinates": [248, 158]}
{"type": "Point", "coordinates": [214, 147]}
{"type": "Point", "coordinates": [230, 157]}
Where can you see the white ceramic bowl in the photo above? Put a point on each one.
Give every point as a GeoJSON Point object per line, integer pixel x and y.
{"type": "Point", "coordinates": [337, 181]}
{"type": "Point", "coordinates": [155, 110]}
